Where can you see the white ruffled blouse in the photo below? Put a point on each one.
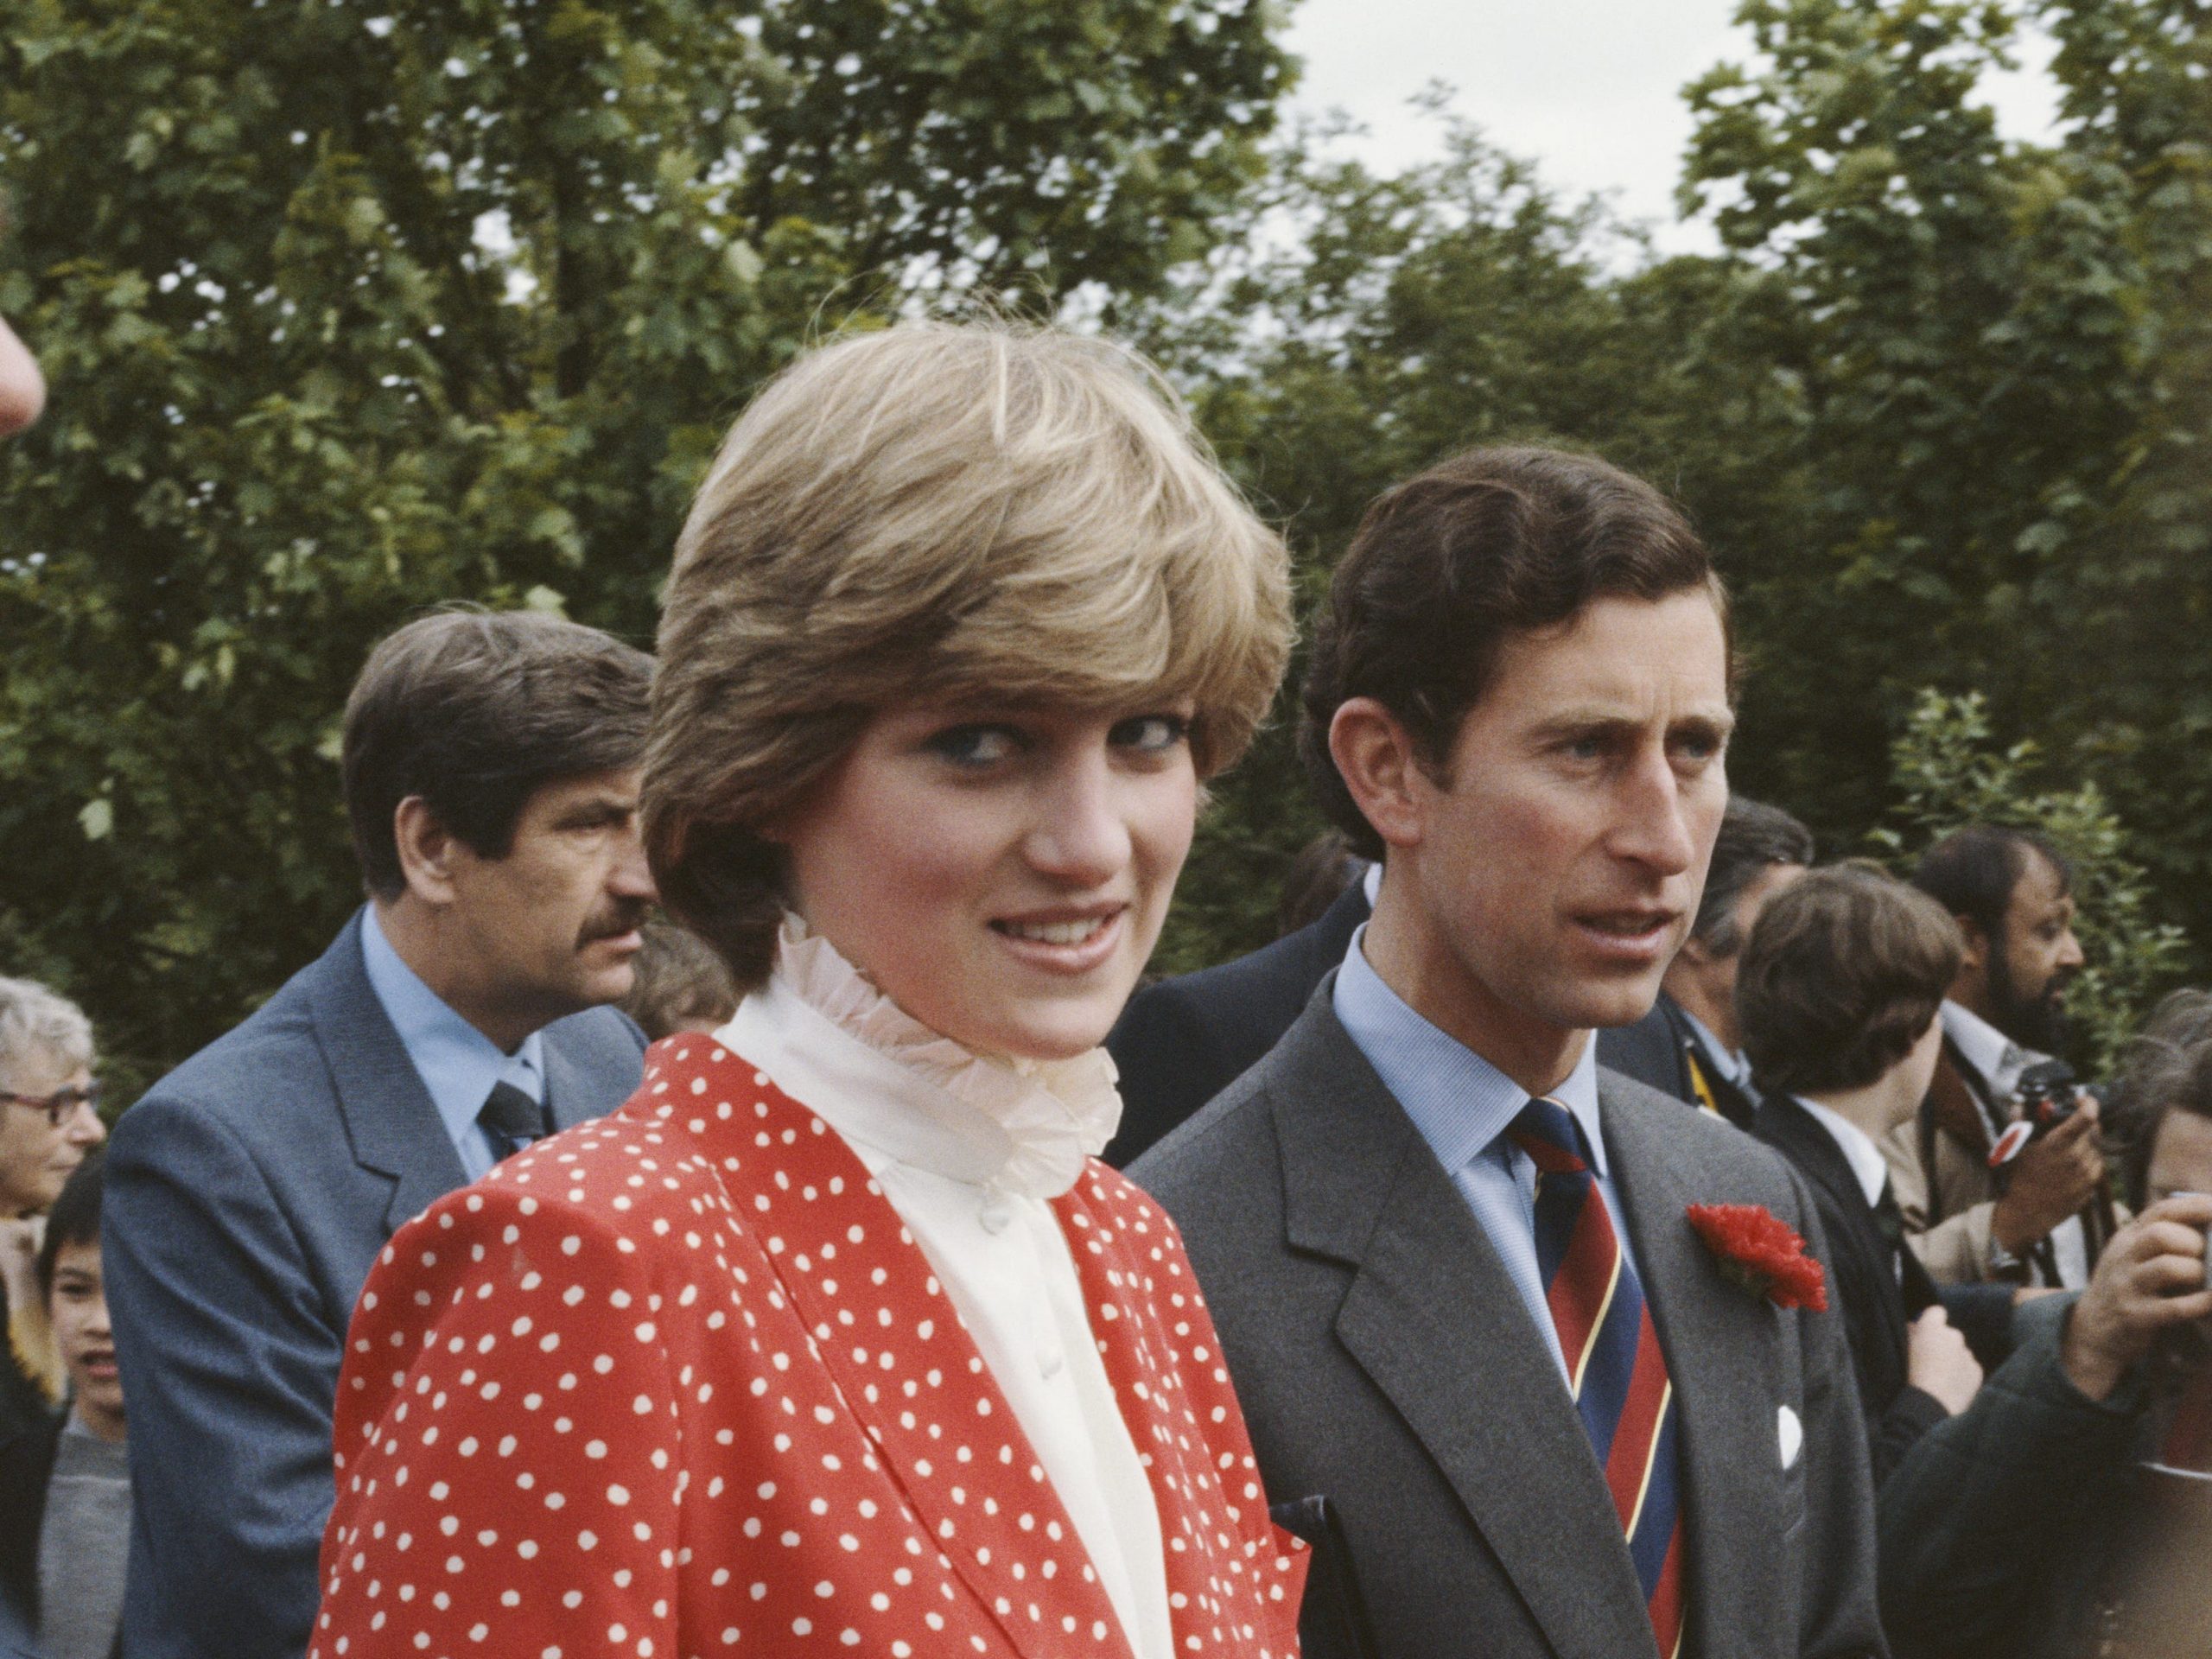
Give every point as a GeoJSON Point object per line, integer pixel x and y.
{"type": "Point", "coordinates": [969, 1150]}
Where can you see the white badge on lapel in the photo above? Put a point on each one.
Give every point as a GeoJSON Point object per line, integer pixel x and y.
{"type": "Point", "coordinates": [1791, 1432]}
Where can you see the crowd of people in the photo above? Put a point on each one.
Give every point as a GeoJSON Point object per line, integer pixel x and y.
{"type": "Point", "coordinates": [683, 1210]}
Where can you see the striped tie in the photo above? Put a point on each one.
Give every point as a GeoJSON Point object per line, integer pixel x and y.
{"type": "Point", "coordinates": [1615, 1368]}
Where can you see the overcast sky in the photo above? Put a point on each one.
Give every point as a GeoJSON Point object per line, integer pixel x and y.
{"type": "Point", "coordinates": [1591, 89]}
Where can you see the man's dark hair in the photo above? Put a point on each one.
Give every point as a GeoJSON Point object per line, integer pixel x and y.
{"type": "Point", "coordinates": [1842, 973]}
{"type": "Point", "coordinates": [74, 1219]}
{"type": "Point", "coordinates": [1972, 871]}
{"type": "Point", "coordinates": [2167, 1069]}
{"type": "Point", "coordinates": [1754, 837]}
{"type": "Point", "coordinates": [1447, 566]}
{"type": "Point", "coordinates": [475, 711]}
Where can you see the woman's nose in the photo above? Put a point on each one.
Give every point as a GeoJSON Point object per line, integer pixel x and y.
{"type": "Point", "coordinates": [1080, 834]}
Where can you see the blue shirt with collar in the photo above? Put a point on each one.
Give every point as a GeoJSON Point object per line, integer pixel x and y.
{"type": "Point", "coordinates": [457, 1062]}
{"type": "Point", "coordinates": [1462, 1105]}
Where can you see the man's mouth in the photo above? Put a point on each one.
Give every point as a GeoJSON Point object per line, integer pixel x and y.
{"type": "Point", "coordinates": [1629, 924]}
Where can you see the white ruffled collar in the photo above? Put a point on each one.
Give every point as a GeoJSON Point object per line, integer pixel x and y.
{"type": "Point", "coordinates": [826, 1036]}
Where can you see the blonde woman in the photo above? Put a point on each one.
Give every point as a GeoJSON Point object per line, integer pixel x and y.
{"type": "Point", "coordinates": [837, 1337]}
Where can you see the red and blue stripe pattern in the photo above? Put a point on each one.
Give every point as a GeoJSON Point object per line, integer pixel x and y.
{"type": "Point", "coordinates": [1614, 1367]}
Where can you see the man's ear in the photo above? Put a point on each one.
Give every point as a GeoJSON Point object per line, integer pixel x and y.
{"type": "Point", "coordinates": [1376, 757]}
{"type": "Point", "coordinates": [427, 851]}
{"type": "Point", "coordinates": [1973, 956]}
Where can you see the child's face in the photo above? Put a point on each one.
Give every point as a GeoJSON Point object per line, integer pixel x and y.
{"type": "Point", "coordinates": [78, 1309]}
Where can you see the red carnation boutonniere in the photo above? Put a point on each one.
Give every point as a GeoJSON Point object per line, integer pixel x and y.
{"type": "Point", "coordinates": [1762, 1253]}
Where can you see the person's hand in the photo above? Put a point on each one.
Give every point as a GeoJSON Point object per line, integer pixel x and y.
{"type": "Point", "coordinates": [1938, 1362]}
{"type": "Point", "coordinates": [2051, 1180]}
{"type": "Point", "coordinates": [2151, 1275]}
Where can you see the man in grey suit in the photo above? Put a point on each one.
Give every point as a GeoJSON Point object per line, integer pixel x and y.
{"type": "Point", "coordinates": [491, 769]}
{"type": "Point", "coordinates": [1451, 1259]}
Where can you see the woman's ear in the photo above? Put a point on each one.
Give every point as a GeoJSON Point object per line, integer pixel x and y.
{"type": "Point", "coordinates": [1376, 757]}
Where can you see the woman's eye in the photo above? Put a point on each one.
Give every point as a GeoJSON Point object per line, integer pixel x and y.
{"type": "Point", "coordinates": [1151, 734]}
{"type": "Point", "coordinates": [975, 745]}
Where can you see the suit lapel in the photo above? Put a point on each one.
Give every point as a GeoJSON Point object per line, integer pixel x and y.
{"type": "Point", "coordinates": [1721, 1347]}
{"type": "Point", "coordinates": [390, 1119]}
{"type": "Point", "coordinates": [1435, 1322]}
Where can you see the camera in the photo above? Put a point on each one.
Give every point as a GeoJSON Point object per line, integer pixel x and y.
{"type": "Point", "coordinates": [2048, 1096]}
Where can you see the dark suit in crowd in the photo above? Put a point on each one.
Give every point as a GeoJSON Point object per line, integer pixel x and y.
{"type": "Point", "coordinates": [247, 1195]}
{"type": "Point", "coordinates": [1876, 1286]}
{"type": "Point", "coordinates": [1182, 1041]}
{"type": "Point", "coordinates": [1664, 1051]}
{"type": "Point", "coordinates": [1385, 1360]}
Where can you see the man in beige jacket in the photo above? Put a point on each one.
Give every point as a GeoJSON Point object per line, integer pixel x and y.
{"type": "Point", "coordinates": [2011, 894]}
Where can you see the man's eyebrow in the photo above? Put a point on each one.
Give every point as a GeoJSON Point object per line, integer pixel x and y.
{"type": "Point", "coordinates": [1589, 718]}
{"type": "Point", "coordinates": [600, 806]}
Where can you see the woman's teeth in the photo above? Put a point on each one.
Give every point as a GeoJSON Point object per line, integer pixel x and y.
{"type": "Point", "coordinates": [1053, 932]}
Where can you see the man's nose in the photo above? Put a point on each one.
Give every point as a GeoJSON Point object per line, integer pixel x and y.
{"type": "Point", "coordinates": [1080, 834]}
{"type": "Point", "coordinates": [2070, 951]}
{"type": "Point", "coordinates": [1653, 827]}
{"type": "Point", "coordinates": [632, 877]}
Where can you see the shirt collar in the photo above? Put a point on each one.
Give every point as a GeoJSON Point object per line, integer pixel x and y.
{"type": "Point", "coordinates": [1458, 1101]}
{"type": "Point", "coordinates": [1858, 1150]}
{"type": "Point", "coordinates": [1982, 1044]}
{"type": "Point", "coordinates": [1730, 1061]}
{"type": "Point", "coordinates": [458, 1063]}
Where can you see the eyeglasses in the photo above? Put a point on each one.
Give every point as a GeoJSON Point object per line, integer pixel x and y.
{"type": "Point", "coordinates": [58, 1106]}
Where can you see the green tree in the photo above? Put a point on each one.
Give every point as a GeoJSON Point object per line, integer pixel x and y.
{"type": "Point", "coordinates": [2000, 351]}
{"type": "Point", "coordinates": [352, 310]}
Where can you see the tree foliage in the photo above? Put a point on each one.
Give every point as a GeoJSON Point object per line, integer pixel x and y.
{"type": "Point", "coordinates": [350, 309]}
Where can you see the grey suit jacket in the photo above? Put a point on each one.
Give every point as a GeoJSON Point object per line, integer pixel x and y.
{"type": "Point", "coordinates": [1383, 1359]}
{"type": "Point", "coordinates": [247, 1195]}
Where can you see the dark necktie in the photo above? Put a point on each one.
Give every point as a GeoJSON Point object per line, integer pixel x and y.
{"type": "Point", "coordinates": [1889, 1221]}
{"type": "Point", "coordinates": [1618, 1374]}
{"type": "Point", "coordinates": [513, 1118]}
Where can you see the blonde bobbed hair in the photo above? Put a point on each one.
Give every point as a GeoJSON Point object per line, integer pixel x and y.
{"type": "Point", "coordinates": [946, 511]}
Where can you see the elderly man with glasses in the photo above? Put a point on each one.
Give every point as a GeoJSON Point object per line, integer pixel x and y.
{"type": "Point", "coordinates": [48, 1120]}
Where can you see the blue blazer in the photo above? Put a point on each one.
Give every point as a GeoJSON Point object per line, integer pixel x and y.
{"type": "Point", "coordinates": [248, 1193]}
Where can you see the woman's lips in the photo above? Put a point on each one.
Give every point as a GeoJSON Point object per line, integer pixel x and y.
{"type": "Point", "coordinates": [1065, 943]}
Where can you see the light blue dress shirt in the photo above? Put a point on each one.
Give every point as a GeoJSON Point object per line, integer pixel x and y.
{"type": "Point", "coordinates": [457, 1062]}
{"type": "Point", "coordinates": [1462, 1105]}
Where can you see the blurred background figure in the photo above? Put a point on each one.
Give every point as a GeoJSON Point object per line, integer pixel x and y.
{"type": "Point", "coordinates": [2069, 1512]}
{"type": "Point", "coordinates": [48, 1121]}
{"type": "Point", "coordinates": [2034, 1219]}
{"type": "Point", "coordinates": [680, 984]}
{"type": "Point", "coordinates": [65, 1484]}
{"type": "Point", "coordinates": [1839, 985]}
{"type": "Point", "coordinates": [23, 391]}
{"type": "Point", "coordinates": [1688, 1046]}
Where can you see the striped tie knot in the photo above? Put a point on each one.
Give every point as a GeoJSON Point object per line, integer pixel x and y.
{"type": "Point", "coordinates": [1547, 1132]}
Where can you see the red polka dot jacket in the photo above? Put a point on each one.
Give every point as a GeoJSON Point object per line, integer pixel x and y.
{"type": "Point", "coordinates": [679, 1382]}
